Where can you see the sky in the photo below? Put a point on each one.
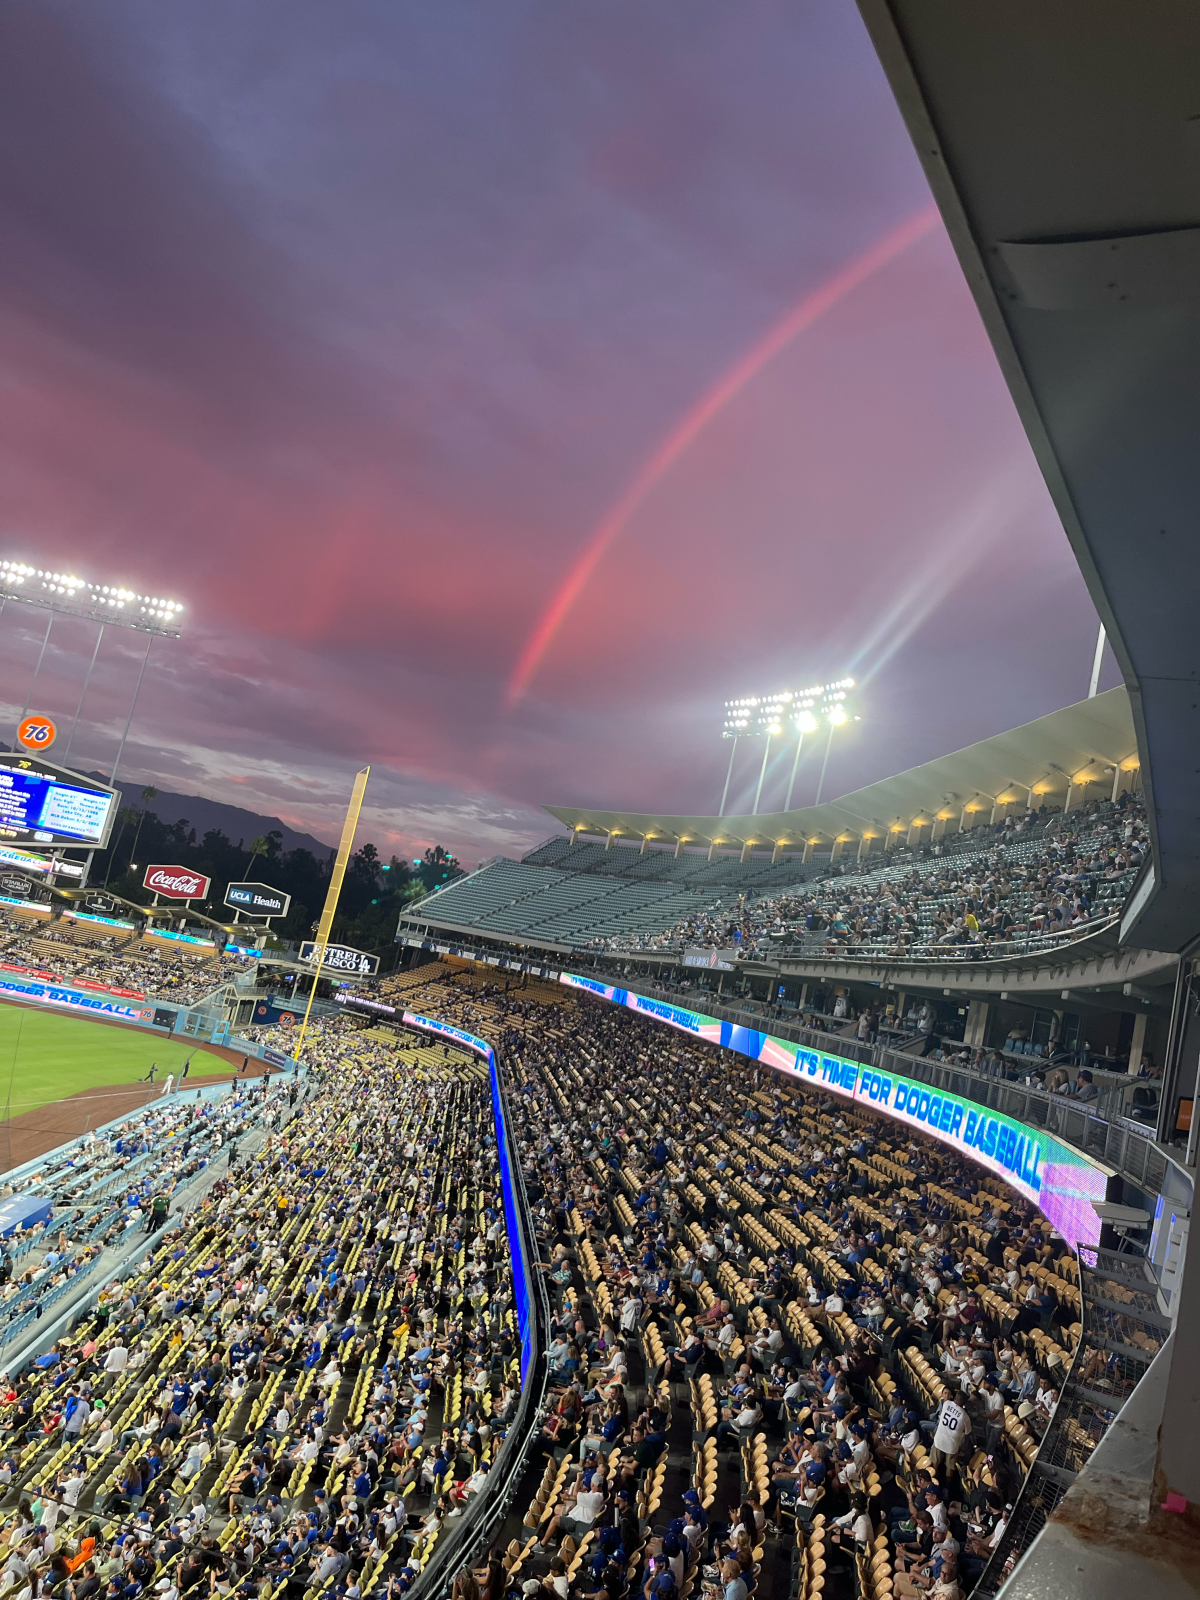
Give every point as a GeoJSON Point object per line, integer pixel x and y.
{"type": "Point", "coordinates": [501, 388]}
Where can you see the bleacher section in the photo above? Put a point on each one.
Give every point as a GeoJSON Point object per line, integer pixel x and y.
{"type": "Point", "coordinates": [1004, 889]}
{"type": "Point", "coordinates": [518, 900]}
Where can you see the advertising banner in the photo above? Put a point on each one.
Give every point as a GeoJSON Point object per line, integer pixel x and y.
{"type": "Point", "coordinates": [1060, 1181]}
{"type": "Point", "coordinates": [42, 865]}
{"type": "Point", "coordinates": [257, 899]}
{"type": "Point", "coordinates": [357, 1002]}
{"type": "Point", "coordinates": [176, 883]}
{"type": "Point", "coordinates": [269, 1012]}
{"type": "Point", "coordinates": [341, 958]}
{"type": "Point", "coordinates": [54, 994]}
{"type": "Point", "coordinates": [37, 732]}
{"type": "Point", "coordinates": [716, 960]}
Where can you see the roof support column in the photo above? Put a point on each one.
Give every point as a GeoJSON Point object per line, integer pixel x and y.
{"type": "Point", "coordinates": [1138, 1042]}
{"type": "Point", "coordinates": [777, 852]}
{"type": "Point", "coordinates": [645, 842]}
{"type": "Point", "coordinates": [976, 1028]}
{"type": "Point", "coordinates": [864, 847]}
{"type": "Point", "coordinates": [678, 848]}
{"type": "Point", "coordinates": [837, 849]}
{"type": "Point", "coordinates": [712, 849]}
{"type": "Point", "coordinates": [608, 843]}
{"type": "Point", "coordinates": [747, 847]}
{"type": "Point", "coordinates": [808, 849]}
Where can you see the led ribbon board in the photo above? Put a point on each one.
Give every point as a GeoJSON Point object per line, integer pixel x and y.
{"type": "Point", "coordinates": [54, 994]}
{"type": "Point", "coordinates": [444, 1030]}
{"type": "Point", "coordinates": [1058, 1180]}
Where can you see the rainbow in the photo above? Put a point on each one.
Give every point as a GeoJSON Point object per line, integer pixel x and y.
{"type": "Point", "coordinates": [801, 317]}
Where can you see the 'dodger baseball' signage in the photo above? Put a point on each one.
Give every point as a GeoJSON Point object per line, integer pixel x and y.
{"type": "Point", "coordinates": [176, 883]}
{"type": "Point", "coordinates": [258, 899]}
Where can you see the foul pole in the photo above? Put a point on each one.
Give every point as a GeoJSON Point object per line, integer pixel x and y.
{"type": "Point", "coordinates": [335, 889]}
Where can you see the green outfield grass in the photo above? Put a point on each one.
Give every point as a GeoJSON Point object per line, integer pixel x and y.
{"type": "Point", "coordinates": [45, 1057]}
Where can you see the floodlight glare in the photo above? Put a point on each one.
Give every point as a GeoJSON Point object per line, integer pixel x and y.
{"type": "Point", "coordinates": [103, 602]}
{"type": "Point", "coordinates": [837, 715]}
{"type": "Point", "coordinates": [759, 716]}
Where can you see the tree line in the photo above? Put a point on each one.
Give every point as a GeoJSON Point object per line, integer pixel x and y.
{"type": "Point", "coordinates": [374, 891]}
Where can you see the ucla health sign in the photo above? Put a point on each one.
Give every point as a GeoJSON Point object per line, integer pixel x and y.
{"type": "Point", "coordinates": [1060, 1181]}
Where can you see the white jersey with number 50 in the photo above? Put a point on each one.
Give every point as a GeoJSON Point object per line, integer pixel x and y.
{"type": "Point", "coordinates": [952, 1428]}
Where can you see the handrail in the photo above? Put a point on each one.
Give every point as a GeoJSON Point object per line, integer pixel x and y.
{"type": "Point", "coordinates": [486, 1509]}
{"type": "Point", "coordinates": [1084, 1413]}
{"type": "Point", "coordinates": [938, 954]}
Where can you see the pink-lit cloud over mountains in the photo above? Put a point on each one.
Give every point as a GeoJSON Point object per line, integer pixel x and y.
{"type": "Point", "coordinates": [387, 339]}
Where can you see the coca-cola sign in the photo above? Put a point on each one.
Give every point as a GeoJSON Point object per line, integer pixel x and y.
{"type": "Point", "coordinates": [176, 883]}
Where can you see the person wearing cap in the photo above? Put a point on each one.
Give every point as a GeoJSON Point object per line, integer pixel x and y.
{"type": "Point", "coordinates": [1084, 1088]}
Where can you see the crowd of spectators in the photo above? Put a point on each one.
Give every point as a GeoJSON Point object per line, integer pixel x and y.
{"type": "Point", "coordinates": [311, 1375]}
{"type": "Point", "coordinates": [109, 1185]}
{"type": "Point", "coordinates": [71, 953]}
{"type": "Point", "coordinates": [874, 1329]}
{"type": "Point", "coordinates": [1004, 890]}
{"type": "Point", "coordinates": [324, 1344]}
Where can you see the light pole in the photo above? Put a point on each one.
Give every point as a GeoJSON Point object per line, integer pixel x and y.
{"type": "Point", "coordinates": [762, 771]}
{"type": "Point", "coordinates": [837, 716]}
{"type": "Point", "coordinates": [83, 694]}
{"type": "Point", "coordinates": [805, 723]}
{"type": "Point", "coordinates": [36, 670]}
{"type": "Point", "coordinates": [755, 716]}
{"type": "Point", "coordinates": [728, 775]}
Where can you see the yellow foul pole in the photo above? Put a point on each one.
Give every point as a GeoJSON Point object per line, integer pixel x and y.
{"type": "Point", "coordinates": [335, 890]}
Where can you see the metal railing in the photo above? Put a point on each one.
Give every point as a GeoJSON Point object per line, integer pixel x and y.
{"type": "Point", "coordinates": [1123, 1330]}
{"type": "Point", "coordinates": [939, 954]}
{"type": "Point", "coordinates": [466, 1540]}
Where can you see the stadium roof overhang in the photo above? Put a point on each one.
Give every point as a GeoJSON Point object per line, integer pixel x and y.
{"type": "Point", "coordinates": [1062, 144]}
{"type": "Point", "coordinates": [1082, 752]}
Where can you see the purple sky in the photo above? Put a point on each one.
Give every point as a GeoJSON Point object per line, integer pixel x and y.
{"type": "Point", "coordinates": [346, 324]}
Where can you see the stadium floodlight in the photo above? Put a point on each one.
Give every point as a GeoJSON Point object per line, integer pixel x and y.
{"type": "Point", "coordinates": [105, 603]}
{"type": "Point", "coordinates": [109, 604]}
{"type": "Point", "coordinates": [767, 716]}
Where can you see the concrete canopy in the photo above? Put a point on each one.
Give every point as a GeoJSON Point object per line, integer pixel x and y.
{"type": "Point", "coordinates": [1081, 752]}
{"type": "Point", "coordinates": [1061, 139]}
